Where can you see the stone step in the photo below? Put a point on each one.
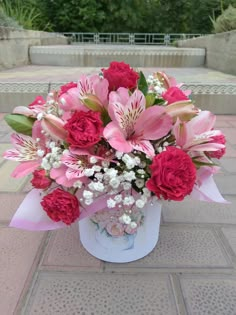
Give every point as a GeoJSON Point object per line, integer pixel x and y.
{"type": "Point", "coordinates": [101, 56]}
{"type": "Point", "coordinates": [211, 90]}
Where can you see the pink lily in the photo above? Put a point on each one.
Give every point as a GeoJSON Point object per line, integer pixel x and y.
{"type": "Point", "coordinates": [40, 106]}
{"type": "Point", "coordinates": [59, 175]}
{"type": "Point", "coordinates": [76, 162]}
{"type": "Point", "coordinates": [133, 126]}
{"type": "Point", "coordinates": [168, 81]}
{"type": "Point", "coordinates": [196, 134]}
{"type": "Point", "coordinates": [54, 126]}
{"type": "Point", "coordinates": [28, 150]}
{"type": "Point", "coordinates": [185, 110]}
{"type": "Point", "coordinates": [90, 90]}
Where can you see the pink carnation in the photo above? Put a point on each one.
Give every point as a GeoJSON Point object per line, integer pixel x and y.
{"type": "Point", "coordinates": [218, 154]}
{"type": "Point", "coordinates": [39, 100]}
{"type": "Point", "coordinates": [60, 205]}
{"type": "Point", "coordinates": [64, 88]}
{"type": "Point", "coordinates": [173, 174]}
{"type": "Point", "coordinates": [174, 94]}
{"type": "Point", "coordinates": [120, 74]}
{"type": "Point", "coordinates": [40, 180]}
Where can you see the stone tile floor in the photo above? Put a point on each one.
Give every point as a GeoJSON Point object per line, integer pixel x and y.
{"type": "Point", "coordinates": [33, 73]}
{"type": "Point", "coordinates": [192, 270]}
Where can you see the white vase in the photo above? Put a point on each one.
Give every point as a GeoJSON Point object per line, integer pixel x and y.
{"type": "Point", "coordinates": [124, 248]}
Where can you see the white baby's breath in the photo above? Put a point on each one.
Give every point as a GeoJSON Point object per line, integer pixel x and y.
{"type": "Point", "coordinates": [111, 203]}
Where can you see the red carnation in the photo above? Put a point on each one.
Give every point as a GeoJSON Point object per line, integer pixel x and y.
{"type": "Point", "coordinates": [174, 94]}
{"type": "Point", "coordinates": [84, 129]}
{"type": "Point", "coordinates": [60, 205]}
{"type": "Point", "coordinates": [38, 101]}
{"type": "Point", "coordinates": [219, 153]}
{"type": "Point", "coordinates": [40, 180]}
{"type": "Point", "coordinates": [173, 174]}
{"type": "Point", "coordinates": [119, 74]}
{"type": "Point", "coordinates": [64, 88]}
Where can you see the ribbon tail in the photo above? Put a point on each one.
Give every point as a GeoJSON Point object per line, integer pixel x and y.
{"type": "Point", "coordinates": [208, 191]}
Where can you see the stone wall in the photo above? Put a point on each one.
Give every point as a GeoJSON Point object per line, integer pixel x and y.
{"type": "Point", "coordinates": [14, 45]}
{"type": "Point", "coordinates": [220, 50]}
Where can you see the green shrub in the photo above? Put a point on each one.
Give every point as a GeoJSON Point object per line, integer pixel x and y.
{"type": "Point", "coordinates": [226, 21]}
{"type": "Point", "coordinates": [6, 21]}
{"type": "Point", "coordinates": [26, 13]}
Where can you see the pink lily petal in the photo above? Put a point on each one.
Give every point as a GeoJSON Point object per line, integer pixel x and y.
{"type": "Point", "coordinates": [127, 114]}
{"type": "Point", "coordinates": [153, 123]}
{"type": "Point", "coordinates": [24, 111]}
{"type": "Point", "coordinates": [101, 91]}
{"type": "Point", "coordinates": [116, 138]}
{"type": "Point", "coordinates": [144, 146]}
{"type": "Point", "coordinates": [37, 134]}
{"type": "Point", "coordinates": [25, 168]}
{"type": "Point", "coordinates": [203, 122]}
{"type": "Point", "coordinates": [70, 101]}
{"type": "Point", "coordinates": [208, 147]}
{"type": "Point", "coordinates": [185, 110]}
{"type": "Point", "coordinates": [183, 135]}
{"type": "Point", "coordinates": [79, 151]}
{"type": "Point", "coordinates": [25, 148]}
{"type": "Point", "coordinates": [71, 161]}
{"type": "Point", "coordinates": [54, 126]}
{"type": "Point", "coordinates": [166, 81]}
{"type": "Point", "coordinates": [72, 174]}
{"type": "Point", "coordinates": [120, 97]}
{"type": "Point", "coordinates": [59, 175]}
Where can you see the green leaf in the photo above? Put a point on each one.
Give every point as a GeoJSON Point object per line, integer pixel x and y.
{"type": "Point", "coordinates": [150, 99]}
{"type": "Point", "coordinates": [159, 101]}
{"type": "Point", "coordinates": [105, 117]}
{"type": "Point", "coordinates": [20, 123]}
{"type": "Point", "coordinates": [199, 163]}
{"type": "Point", "coordinates": [142, 83]}
{"type": "Point", "coordinates": [91, 105]}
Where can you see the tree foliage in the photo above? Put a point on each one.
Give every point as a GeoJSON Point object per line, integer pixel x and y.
{"type": "Point", "coordinates": [26, 13]}
{"type": "Point", "coordinates": [7, 21]}
{"type": "Point", "coordinates": [144, 16]}
{"type": "Point", "coordinates": [226, 21]}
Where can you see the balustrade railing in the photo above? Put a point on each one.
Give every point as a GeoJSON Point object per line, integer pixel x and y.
{"type": "Point", "coordinates": [127, 38]}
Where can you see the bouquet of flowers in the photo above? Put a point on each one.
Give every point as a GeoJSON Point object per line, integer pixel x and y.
{"type": "Point", "coordinates": [113, 140]}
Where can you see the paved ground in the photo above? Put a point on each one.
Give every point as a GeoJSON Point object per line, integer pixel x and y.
{"type": "Point", "coordinates": [191, 271]}
{"type": "Point", "coordinates": [34, 73]}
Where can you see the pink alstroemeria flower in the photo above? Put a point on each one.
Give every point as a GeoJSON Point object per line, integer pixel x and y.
{"type": "Point", "coordinates": [168, 82]}
{"type": "Point", "coordinates": [76, 161]}
{"type": "Point", "coordinates": [92, 88]}
{"type": "Point", "coordinates": [28, 150]}
{"type": "Point", "coordinates": [133, 126]}
{"type": "Point", "coordinates": [196, 134]}
{"type": "Point", "coordinates": [40, 106]}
